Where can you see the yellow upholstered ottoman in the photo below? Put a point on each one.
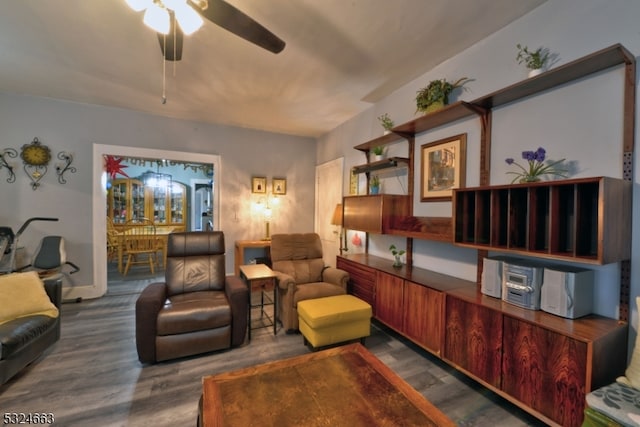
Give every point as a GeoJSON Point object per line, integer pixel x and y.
{"type": "Point", "coordinates": [335, 319]}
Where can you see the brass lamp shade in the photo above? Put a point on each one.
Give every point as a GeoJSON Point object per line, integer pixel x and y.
{"type": "Point", "coordinates": [336, 219]}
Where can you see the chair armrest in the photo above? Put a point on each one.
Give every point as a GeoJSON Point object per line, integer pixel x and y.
{"type": "Point", "coordinates": [335, 276]}
{"type": "Point", "coordinates": [237, 294]}
{"type": "Point", "coordinates": [53, 288]}
{"type": "Point", "coordinates": [284, 281]}
{"type": "Point", "coordinates": [148, 305]}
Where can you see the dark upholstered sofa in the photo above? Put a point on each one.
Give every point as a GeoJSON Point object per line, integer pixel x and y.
{"type": "Point", "coordinates": [26, 338]}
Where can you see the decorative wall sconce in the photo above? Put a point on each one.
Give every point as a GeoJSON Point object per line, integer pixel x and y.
{"type": "Point", "coordinates": [4, 163]}
{"type": "Point", "coordinates": [61, 169]}
{"type": "Point", "coordinates": [36, 158]}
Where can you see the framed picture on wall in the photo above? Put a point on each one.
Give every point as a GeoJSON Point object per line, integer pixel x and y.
{"type": "Point", "coordinates": [279, 186]}
{"type": "Point", "coordinates": [259, 184]}
{"type": "Point", "coordinates": [443, 168]}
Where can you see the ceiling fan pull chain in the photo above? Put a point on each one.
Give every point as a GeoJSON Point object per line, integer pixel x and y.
{"type": "Point", "coordinates": [164, 74]}
{"type": "Point", "coordinates": [175, 43]}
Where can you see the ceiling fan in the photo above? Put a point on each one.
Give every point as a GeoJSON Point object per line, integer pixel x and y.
{"type": "Point", "coordinates": [173, 18]}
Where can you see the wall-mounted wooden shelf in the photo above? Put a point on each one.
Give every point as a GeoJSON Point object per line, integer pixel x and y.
{"type": "Point", "coordinates": [448, 114]}
{"type": "Point", "coordinates": [582, 67]}
{"type": "Point", "coordinates": [391, 162]}
{"type": "Point", "coordinates": [381, 141]}
{"type": "Point", "coordinates": [424, 228]}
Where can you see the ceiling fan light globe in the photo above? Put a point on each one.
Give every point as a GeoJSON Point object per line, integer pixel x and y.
{"type": "Point", "coordinates": [188, 19]}
{"type": "Point", "coordinates": [157, 18]}
{"type": "Point", "coordinates": [139, 5]}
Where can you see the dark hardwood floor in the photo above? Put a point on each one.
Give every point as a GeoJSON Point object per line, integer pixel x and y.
{"type": "Point", "coordinates": [92, 376]}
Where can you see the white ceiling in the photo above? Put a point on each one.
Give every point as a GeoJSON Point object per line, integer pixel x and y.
{"type": "Point", "coordinates": [341, 56]}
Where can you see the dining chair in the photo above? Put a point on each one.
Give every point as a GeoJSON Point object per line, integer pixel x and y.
{"type": "Point", "coordinates": [113, 240]}
{"type": "Point", "coordinates": [141, 244]}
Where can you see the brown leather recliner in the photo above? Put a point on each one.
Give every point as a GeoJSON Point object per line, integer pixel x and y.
{"type": "Point", "coordinates": [198, 308]}
{"type": "Point", "coordinates": [301, 274]}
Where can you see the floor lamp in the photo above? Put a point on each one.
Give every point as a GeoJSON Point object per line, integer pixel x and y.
{"type": "Point", "coordinates": [336, 219]}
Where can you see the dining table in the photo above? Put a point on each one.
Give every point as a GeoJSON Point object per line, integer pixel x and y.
{"type": "Point", "coordinates": [162, 235]}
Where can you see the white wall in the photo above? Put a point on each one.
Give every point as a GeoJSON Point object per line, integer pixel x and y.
{"type": "Point", "coordinates": [581, 122]}
{"type": "Point", "coordinates": [76, 127]}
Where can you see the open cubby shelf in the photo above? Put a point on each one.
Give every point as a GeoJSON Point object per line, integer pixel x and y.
{"type": "Point", "coordinates": [583, 220]}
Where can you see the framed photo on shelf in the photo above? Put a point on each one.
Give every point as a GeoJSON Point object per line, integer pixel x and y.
{"type": "Point", "coordinates": [279, 186]}
{"type": "Point", "coordinates": [443, 168]}
{"type": "Point", "coordinates": [259, 184]}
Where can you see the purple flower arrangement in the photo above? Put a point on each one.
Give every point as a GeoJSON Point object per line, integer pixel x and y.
{"type": "Point", "coordinates": [536, 167]}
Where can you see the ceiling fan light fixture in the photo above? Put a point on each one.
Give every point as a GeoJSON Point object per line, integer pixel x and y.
{"type": "Point", "coordinates": [139, 5]}
{"type": "Point", "coordinates": [188, 19]}
{"type": "Point", "coordinates": [157, 18]}
{"type": "Point", "coordinates": [174, 4]}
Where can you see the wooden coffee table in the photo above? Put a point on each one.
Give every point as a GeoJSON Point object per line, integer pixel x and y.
{"type": "Point", "coordinates": [342, 386]}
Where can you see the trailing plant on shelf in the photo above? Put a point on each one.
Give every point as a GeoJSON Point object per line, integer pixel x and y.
{"type": "Point", "coordinates": [536, 167]}
{"type": "Point", "coordinates": [533, 60]}
{"type": "Point", "coordinates": [396, 254]}
{"type": "Point", "coordinates": [386, 122]}
{"type": "Point", "coordinates": [436, 94]}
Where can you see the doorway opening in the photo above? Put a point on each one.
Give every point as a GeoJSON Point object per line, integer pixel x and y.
{"type": "Point", "coordinates": [99, 201]}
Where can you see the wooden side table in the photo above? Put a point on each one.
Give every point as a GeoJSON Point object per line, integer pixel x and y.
{"type": "Point", "coordinates": [260, 277]}
{"type": "Point", "coordinates": [241, 245]}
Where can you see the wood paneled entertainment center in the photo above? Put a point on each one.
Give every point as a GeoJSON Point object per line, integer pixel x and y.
{"type": "Point", "coordinates": [543, 363]}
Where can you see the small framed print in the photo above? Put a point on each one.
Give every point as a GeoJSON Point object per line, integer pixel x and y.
{"type": "Point", "coordinates": [279, 186]}
{"type": "Point", "coordinates": [258, 184]}
{"type": "Point", "coordinates": [443, 168]}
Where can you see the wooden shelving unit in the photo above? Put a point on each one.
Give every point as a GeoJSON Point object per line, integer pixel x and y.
{"type": "Point", "coordinates": [579, 220]}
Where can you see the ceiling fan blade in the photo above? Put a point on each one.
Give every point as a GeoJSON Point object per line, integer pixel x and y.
{"type": "Point", "coordinates": [228, 17]}
{"type": "Point", "coordinates": [171, 44]}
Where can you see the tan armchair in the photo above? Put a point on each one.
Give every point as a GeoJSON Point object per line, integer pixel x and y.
{"type": "Point", "coordinates": [301, 274]}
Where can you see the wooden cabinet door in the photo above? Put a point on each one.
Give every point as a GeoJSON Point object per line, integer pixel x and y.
{"type": "Point", "coordinates": [157, 205]}
{"type": "Point", "coordinates": [388, 299]}
{"type": "Point", "coordinates": [176, 204]}
{"type": "Point", "coordinates": [545, 370]}
{"type": "Point", "coordinates": [423, 309]}
{"type": "Point", "coordinates": [473, 339]}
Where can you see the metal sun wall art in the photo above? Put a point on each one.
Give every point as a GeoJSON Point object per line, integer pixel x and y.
{"type": "Point", "coordinates": [36, 158]}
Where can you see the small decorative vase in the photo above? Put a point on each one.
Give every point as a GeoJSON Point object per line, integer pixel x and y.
{"type": "Point", "coordinates": [386, 132]}
{"type": "Point", "coordinates": [528, 178]}
{"type": "Point", "coordinates": [374, 190]}
{"type": "Point", "coordinates": [378, 157]}
{"type": "Point", "coordinates": [397, 263]}
{"type": "Point", "coordinates": [535, 72]}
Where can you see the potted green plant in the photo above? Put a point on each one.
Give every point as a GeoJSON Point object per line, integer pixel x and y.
{"type": "Point", "coordinates": [535, 61]}
{"type": "Point", "coordinates": [436, 94]}
{"type": "Point", "coordinates": [378, 153]}
{"type": "Point", "coordinates": [386, 122]}
{"type": "Point", "coordinates": [396, 254]}
{"type": "Point", "coordinates": [374, 184]}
